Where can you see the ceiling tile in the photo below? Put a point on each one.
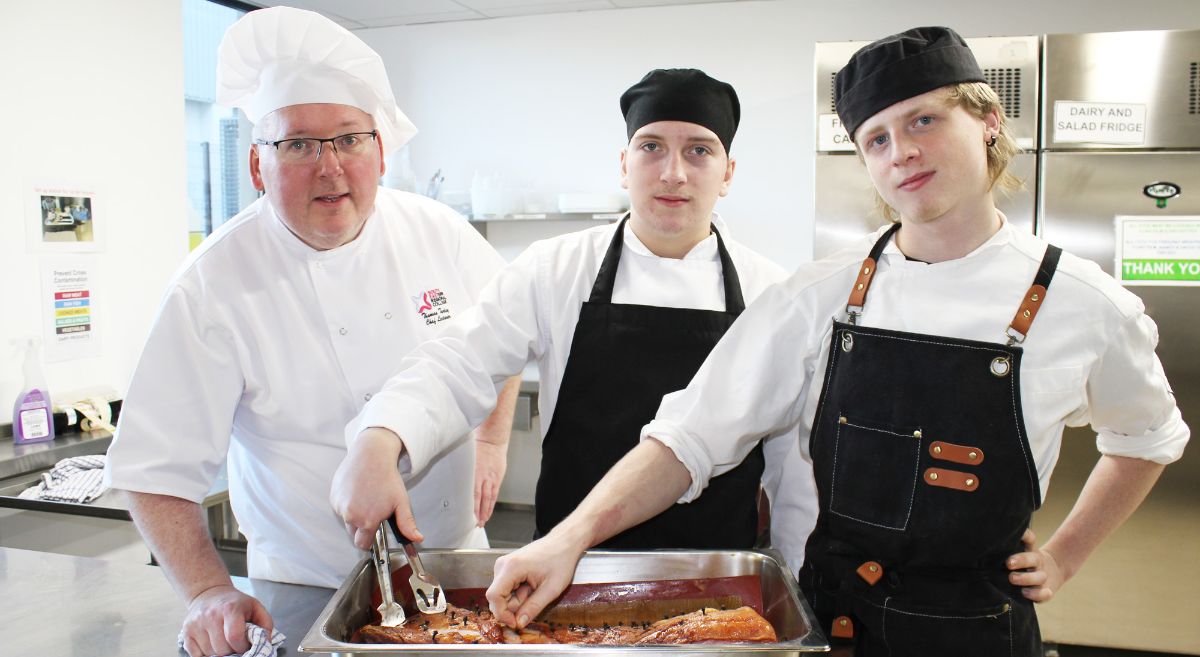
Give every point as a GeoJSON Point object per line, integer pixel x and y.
{"type": "Point", "coordinates": [532, 7]}
{"type": "Point", "coordinates": [416, 19]}
{"type": "Point", "coordinates": [323, 7]}
{"type": "Point", "coordinates": [358, 14]}
{"type": "Point", "coordinates": [658, 3]}
{"type": "Point", "coordinates": [489, 5]}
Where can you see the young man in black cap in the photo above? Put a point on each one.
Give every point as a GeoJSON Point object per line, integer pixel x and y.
{"type": "Point", "coordinates": [615, 317]}
{"type": "Point", "coordinates": [932, 413]}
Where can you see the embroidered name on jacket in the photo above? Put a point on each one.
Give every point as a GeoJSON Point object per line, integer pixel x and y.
{"type": "Point", "coordinates": [432, 305]}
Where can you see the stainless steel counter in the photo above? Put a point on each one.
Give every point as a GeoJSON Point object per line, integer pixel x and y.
{"type": "Point", "coordinates": [21, 466]}
{"type": "Point", "coordinates": [21, 459]}
{"type": "Point", "coordinates": [62, 606]}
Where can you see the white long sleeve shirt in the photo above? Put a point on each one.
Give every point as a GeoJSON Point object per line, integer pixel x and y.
{"type": "Point", "coordinates": [528, 313]}
{"type": "Point", "coordinates": [1088, 358]}
{"type": "Point", "coordinates": [263, 350]}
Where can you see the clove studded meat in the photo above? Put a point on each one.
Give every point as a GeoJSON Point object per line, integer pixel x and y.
{"type": "Point", "coordinates": [466, 626]}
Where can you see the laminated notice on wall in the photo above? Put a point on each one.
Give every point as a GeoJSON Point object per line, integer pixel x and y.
{"type": "Point", "coordinates": [1099, 123]}
{"type": "Point", "coordinates": [832, 135]}
{"type": "Point", "coordinates": [1158, 250]}
{"type": "Point", "coordinates": [68, 308]}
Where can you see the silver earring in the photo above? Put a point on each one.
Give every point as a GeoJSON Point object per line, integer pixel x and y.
{"type": "Point", "coordinates": [992, 143]}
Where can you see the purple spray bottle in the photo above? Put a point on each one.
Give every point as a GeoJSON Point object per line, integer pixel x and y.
{"type": "Point", "coordinates": [33, 421]}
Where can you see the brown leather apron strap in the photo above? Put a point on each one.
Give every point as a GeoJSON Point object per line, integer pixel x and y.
{"type": "Point", "coordinates": [1032, 302]}
{"type": "Point", "coordinates": [858, 295]}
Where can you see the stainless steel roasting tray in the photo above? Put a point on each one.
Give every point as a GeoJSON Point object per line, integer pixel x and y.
{"type": "Point", "coordinates": [782, 605]}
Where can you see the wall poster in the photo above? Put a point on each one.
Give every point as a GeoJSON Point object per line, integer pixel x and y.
{"type": "Point", "coordinates": [1158, 250]}
{"type": "Point", "coordinates": [63, 218]}
{"type": "Point", "coordinates": [69, 308]}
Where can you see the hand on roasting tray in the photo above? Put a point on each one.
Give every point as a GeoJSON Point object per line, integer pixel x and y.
{"type": "Point", "coordinates": [216, 622]}
{"type": "Point", "coordinates": [526, 581]}
{"type": "Point", "coordinates": [367, 488]}
{"type": "Point", "coordinates": [1035, 570]}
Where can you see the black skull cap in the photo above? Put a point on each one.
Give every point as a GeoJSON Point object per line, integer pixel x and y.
{"type": "Point", "coordinates": [682, 94]}
{"type": "Point", "coordinates": [898, 67]}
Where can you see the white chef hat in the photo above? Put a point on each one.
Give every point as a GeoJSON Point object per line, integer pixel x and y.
{"type": "Point", "coordinates": [281, 56]}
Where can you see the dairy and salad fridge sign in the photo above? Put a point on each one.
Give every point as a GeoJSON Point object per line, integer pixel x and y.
{"type": "Point", "coordinates": [1101, 123]}
{"type": "Point", "coordinates": [1158, 250]}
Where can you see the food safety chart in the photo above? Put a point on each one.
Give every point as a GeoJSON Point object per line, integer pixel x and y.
{"type": "Point", "coordinates": [69, 311]}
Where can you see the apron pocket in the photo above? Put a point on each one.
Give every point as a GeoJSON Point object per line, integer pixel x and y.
{"type": "Point", "coordinates": [875, 472]}
{"type": "Point", "coordinates": [924, 631]}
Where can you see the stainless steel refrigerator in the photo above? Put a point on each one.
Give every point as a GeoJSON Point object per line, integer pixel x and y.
{"type": "Point", "coordinates": [1120, 177]}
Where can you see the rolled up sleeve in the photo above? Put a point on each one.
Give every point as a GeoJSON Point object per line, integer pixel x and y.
{"type": "Point", "coordinates": [742, 393]}
{"type": "Point", "coordinates": [1133, 408]}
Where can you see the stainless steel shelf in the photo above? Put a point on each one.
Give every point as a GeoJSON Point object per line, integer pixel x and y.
{"type": "Point", "coordinates": [481, 222]}
{"type": "Point", "coordinates": [550, 216]}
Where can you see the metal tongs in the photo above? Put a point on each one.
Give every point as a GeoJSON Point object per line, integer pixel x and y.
{"type": "Point", "coordinates": [390, 611]}
{"type": "Point", "coordinates": [427, 590]}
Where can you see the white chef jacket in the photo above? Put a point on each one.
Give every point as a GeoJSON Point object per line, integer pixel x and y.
{"type": "Point", "coordinates": [1088, 358]}
{"type": "Point", "coordinates": [264, 348]}
{"type": "Point", "coordinates": [528, 313]}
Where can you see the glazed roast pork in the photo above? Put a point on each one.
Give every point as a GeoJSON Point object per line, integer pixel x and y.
{"type": "Point", "coordinates": [467, 626]}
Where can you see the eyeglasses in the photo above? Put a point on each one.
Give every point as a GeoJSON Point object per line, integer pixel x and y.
{"type": "Point", "coordinates": [308, 150]}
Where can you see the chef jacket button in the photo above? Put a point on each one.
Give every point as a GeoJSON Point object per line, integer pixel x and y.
{"type": "Point", "coordinates": [445, 504]}
{"type": "Point", "coordinates": [387, 315]}
{"type": "Point", "coordinates": [367, 397]}
{"type": "Point", "coordinates": [343, 331]}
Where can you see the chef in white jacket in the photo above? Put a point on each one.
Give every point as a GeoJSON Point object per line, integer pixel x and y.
{"type": "Point", "coordinates": [615, 317]}
{"type": "Point", "coordinates": [277, 329]}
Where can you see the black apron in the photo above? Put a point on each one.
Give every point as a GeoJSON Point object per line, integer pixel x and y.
{"type": "Point", "coordinates": [623, 359]}
{"type": "Point", "coordinates": [926, 483]}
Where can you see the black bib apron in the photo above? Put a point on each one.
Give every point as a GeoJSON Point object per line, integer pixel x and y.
{"type": "Point", "coordinates": [926, 483]}
{"type": "Point", "coordinates": [623, 359]}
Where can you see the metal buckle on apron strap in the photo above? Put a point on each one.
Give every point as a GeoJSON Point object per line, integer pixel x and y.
{"type": "Point", "coordinates": [1015, 337]}
{"type": "Point", "coordinates": [858, 295]}
{"type": "Point", "coordinates": [1019, 327]}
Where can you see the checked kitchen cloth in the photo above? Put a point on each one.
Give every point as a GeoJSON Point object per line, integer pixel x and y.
{"type": "Point", "coordinates": [259, 645]}
{"type": "Point", "coordinates": [77, 479]}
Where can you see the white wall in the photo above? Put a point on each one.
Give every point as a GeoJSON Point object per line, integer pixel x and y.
{"type": "Point", "coordinates": [92, 96]}
{"type": "Point", "coordinates": [536, 98]}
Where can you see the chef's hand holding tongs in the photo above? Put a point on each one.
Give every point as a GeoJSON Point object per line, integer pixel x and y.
{"type": "Point", "coordinates": [367, 488]}
{"type": "Point", "coordinates": [368, 492]}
